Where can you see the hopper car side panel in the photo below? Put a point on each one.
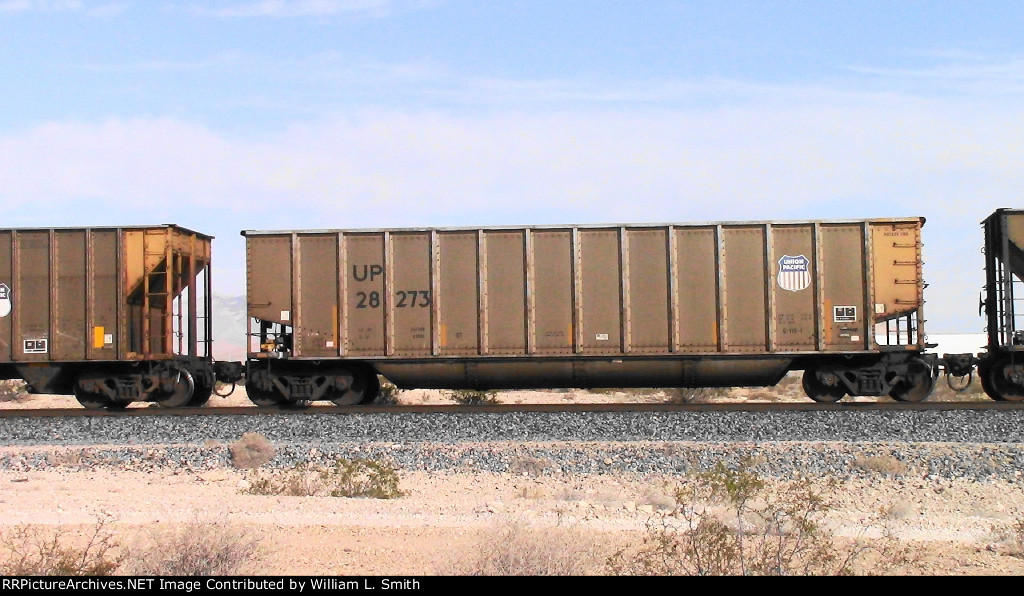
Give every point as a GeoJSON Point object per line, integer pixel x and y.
{"type": "Point", "coordinates": [663, 305]}
{"type": "Point", "coordinates": [112, 315]}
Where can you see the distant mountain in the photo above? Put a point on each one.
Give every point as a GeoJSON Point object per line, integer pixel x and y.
{"type": "Point", "coordinates": [229, 327]}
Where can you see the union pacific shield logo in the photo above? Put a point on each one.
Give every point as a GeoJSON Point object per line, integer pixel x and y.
{"type": "Point", "coordinates": [794, 273]}
{"type": "Point", "coordinates": [5, 300]}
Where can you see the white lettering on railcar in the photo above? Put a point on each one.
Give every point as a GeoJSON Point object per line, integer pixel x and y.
{"type": "Point", "coordinates": [5, 300]}
{"type": "Point", "coordinates": [794, 273]}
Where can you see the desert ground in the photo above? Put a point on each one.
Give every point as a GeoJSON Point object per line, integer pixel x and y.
{"type": "Point", "coordinates": [462, 523]}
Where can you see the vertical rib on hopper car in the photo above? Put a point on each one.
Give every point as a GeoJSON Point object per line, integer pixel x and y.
{"type": "Point", "coordinates": [667, 305]}
{"type": "Point", "coordinates": [1002, 367]}
{"type": "Point", "coordinates": [111, 314]}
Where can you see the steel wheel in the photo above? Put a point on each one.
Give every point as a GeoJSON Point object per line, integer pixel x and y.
{"type": "Point", "coordinates": [184, 387]}
{"type": "Point", "coordinates": [984, 374]}
{"type": "Point", "coordinates": [200, 395]}
{"type": "Point", "coordinates": [819, 391]}
{"type": "Point", "coordinates": [89, 400]}
{"type": "Point", "coordinates": [916, 385]}
{"type": "Point", "coordinates": [372, 388]}
{"type": "Point", "coordinates": [263, 399]}
{"type": "Point", "coordinates": [363, 390]}
{"type": "Point", "coordinates": [995, 383]}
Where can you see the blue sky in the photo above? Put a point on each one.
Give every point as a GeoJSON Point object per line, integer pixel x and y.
{"type": "Point", "coordinates": [268, 114]}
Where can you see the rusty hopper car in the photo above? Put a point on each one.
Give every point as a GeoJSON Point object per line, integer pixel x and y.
{"type": "Point", "coordinates": [668, 305]}
{"type": "Point", "coordinates": [111, 314]}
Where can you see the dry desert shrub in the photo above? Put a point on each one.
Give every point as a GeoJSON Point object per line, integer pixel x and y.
{"type": "Point", "coordinates": [299, 481]}
{"type": "Point", "coordinates": [67, 457]}
{"type": "Point", "coordinates": [885, 465]}
{"type": "Point", "coordinates": [516, 549]}
{"type": "Point", "coordinates": [643, 393]}
{"type": "Point", "coordinates": [657, 498]}
{"type": "Point", "coordinates": [251, 451]}
{"type": "Point", "coordinates": [791, 385]}
{"type": "Point", "coordinates": [725, 523]}
{"type": "Point", "coordinates": [472, 397]}
{"type": "Point", "coordinates": [13, 391]}
{"type": "Point", "coordinates": [295, 484]}
{"type": "Point", "coordinates": [389, 392]}
{"type": "Point", "coordinates": [672, 395]}
{"type": "Point", "coordinates": [1009, 538]}
{"type": "Point", "coordinates": [694, 395]}
{"type": "Point", "coordinates": [362, 478]}
{"type": "Point", "coordinates": [528, 465]}
{"type": "Point", "coordinates": [894, 511]}
{"type": "Point", "coordinates": [732, 522]}
{"type": "Point", "coordinates": [354, 478]}
{"type": "Point", "coordinates": [972, 391]}
{"type": "Point", "coordinates": [35, 550]}
{"type": "Point", "coordinates": [197, 549]}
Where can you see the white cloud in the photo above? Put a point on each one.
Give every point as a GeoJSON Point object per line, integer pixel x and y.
{"type": "Point", "coordinates": [432, 165]}
{"type": "Point", "coordinates": [825, 156]}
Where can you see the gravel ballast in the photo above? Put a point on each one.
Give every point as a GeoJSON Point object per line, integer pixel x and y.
{"type": "Point", "coordinates": [951, 444]}
{"type": "Point", "coordinates": [952, 426]}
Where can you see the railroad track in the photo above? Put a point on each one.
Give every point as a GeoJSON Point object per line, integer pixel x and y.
{"type": "Point", "coordinates": [514, 408]}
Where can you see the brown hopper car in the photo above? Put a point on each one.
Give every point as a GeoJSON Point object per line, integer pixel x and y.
{"type": "Point", "coordinates": [668, 305]}
{"type": "Point", "coordinates": [1001, 368]}
{"type": "Point", "coordinates": [110, 314]}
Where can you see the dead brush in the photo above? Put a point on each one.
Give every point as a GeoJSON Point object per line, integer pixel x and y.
{"type": "Point", "coordinates": [34, 550]}
{"type": "Point", "coordinates": [68, 457]}
{"type": "Point", "coordinates": [354, 478]}
{"type": "Point", "coordinates": [527, 465]}
{"type": "Point", "coordinates": [299, 481]}
{"type": "Point", "coordinates": [1010, 537]}
{"type": "Point", "coordinates": [198, 548]}
{"type": "Point", "coordinates": [388, 394]}
{"type": "Point", "coordinates": [971, 392]}
{"type": "Point", "coordinates": [263, 486]}
{"type": "Point", "coordinates": [13, 390]}
{"type": "Point", "coordinates": [694, 395]}
{"type": "Point", "coordinates": [755, 533]}
{"type": "Point", "coordinates": [304, 482]}
{"type": "Point", "coordinates": [472, 397]}
{"type": "Point", "coordinates": [886, 465]}
{"type": "Point", "coordinates": [251, 451]}
{"type": "Point", "coordinates": [516, 549]}
{"type": "Point", "coordinates": [362, 478]}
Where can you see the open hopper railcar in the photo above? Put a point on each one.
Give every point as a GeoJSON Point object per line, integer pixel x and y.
{"type": "Point", "coordinates": [668, 305]}
{"type": "Point", "coordinates": [111, 314]}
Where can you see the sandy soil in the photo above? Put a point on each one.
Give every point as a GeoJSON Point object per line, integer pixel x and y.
{"type": "Point", "coordinates": [442, 520]}
{"type": "Point", "coordinates": [949, 527]}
